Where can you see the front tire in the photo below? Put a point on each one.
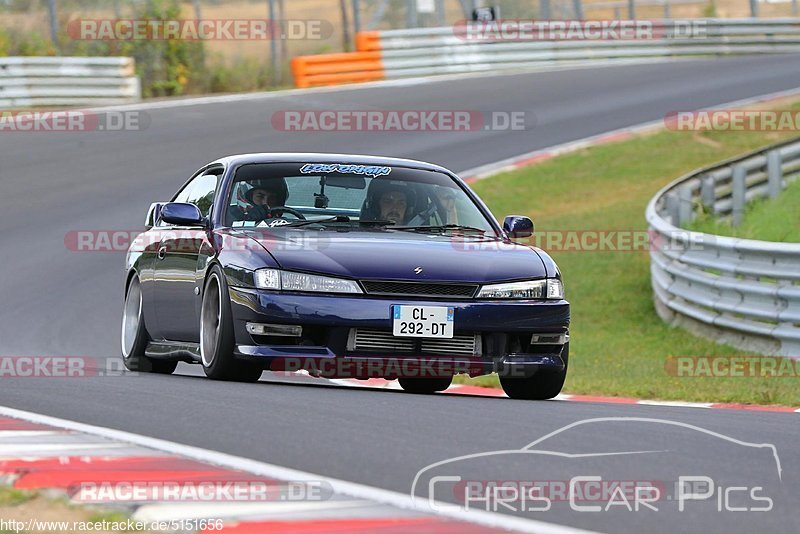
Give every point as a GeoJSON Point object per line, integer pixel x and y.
{"type": "Point", "coordinates": [542, 385]}
{"type": "Point", "coordinates": [425, 386]}
{"type": "Point", "coordinates": [216, 335]}
{"type": "Point", "coordinates": [134, 337]}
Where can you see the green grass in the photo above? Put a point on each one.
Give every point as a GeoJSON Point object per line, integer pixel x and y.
{"type": "Point", "coordinates": [619, 346]}
{"type": "Point", "coordinates": [14, 497]}
{"type": "Point", "coordinates": [768, 220]}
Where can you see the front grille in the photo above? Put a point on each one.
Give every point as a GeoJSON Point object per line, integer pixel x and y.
{"type": "Point", "coordinates": [364, 339]}
{"type": "Point", "coordinates": [379, 341]}
{"type": "Point", "coordinates": [459, 344]}
{"type": "Point", "coordinates": [419, 289]}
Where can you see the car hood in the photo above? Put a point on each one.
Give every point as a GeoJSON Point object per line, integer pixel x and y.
{"type": "Point", "coordinates": [395, 255]}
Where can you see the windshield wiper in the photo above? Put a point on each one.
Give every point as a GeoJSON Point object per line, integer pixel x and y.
{"type": "Point", "coordinates": [440, 228]}
{"type": "Point", "coordinates": [375, 223]}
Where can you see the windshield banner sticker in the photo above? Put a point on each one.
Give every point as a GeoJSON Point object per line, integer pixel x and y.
{"type": "Point", "coordinates": [369, 170]}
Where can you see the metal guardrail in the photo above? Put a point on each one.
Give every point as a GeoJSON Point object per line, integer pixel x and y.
{"type": "Point", "coordinates": [428, 51]}
{"type": "Point", "coordinates": [742, 292]}
{"type": "Point", "coordinates": [65, 81]}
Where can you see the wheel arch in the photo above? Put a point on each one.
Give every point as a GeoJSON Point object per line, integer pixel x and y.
{"type": "Point", "coordinates": [131, 273]}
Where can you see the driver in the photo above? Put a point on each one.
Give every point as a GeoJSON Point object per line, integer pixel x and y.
{"type": "Point", "coordinates": [262, 198]}
{"type": "Point", "coordinates": [388, 201]}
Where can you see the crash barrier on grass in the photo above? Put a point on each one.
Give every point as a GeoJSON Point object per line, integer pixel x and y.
{"type": "Point", "coordinates": [453, 49]}
{"type": "Point", "coordinates": [739, 291]}
{"type": "Point", "coordinates": [65, 81]}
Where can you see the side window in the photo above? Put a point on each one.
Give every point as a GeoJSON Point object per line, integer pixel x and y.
{"type": "Point", "coordinates": [183, 196]}
{"type": "Point", "coordinates": [202, 193]}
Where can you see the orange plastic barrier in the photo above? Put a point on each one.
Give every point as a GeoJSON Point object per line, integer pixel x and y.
{"type": "Point", "coordinates": [348, 67]}
{"type": "Point", "coordinates": [368, 41]}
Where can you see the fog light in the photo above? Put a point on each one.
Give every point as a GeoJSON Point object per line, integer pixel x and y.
{"type": "Point", "coordinates": [549, 339]}
{"type": "Point", "coordinates": [288, 330]}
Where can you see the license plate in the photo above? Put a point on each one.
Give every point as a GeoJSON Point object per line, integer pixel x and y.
{"type": "Point", "coordinates": [422, 321]}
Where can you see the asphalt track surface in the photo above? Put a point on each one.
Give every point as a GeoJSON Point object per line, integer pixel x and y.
{"type": "Point", "coordinates": [60, 302]}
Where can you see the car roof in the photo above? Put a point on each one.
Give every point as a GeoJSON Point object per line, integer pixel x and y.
{"type": "Point", "coordinates": [316, 157]}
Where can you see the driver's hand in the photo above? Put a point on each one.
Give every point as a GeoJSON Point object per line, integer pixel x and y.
{"type": "Point", "coordinates": [258, 213]}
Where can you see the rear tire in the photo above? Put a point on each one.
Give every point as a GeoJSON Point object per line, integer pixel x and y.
{"type": "Point", "coordinates": [216, 335]}
{"type": "Point", "coordinates": [542, 385]}
{"type": "Point", "coordinates": [425, 386]}
{"type": "Point", "coordinates": [134, 337]}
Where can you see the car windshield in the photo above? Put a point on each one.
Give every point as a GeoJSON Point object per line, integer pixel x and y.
{"type": "Point", "coordinates": [322, 194]}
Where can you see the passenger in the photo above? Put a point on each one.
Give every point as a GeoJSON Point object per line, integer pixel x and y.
{"type": "Point", "coordinates": [447, 198]}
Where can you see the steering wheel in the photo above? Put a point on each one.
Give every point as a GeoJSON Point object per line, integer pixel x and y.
{"type": "Point", "coordinates": [280, 210]}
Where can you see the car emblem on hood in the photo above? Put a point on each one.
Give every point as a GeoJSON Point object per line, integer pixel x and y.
{"type": "Point", "coordinates": [418, 270]}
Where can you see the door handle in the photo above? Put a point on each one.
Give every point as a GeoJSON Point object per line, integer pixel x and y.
{"type": "Point", "coordinates": [162, 252]}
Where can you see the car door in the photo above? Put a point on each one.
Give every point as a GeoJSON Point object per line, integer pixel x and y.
{"type": "Point", "coordinates": [176, 261]}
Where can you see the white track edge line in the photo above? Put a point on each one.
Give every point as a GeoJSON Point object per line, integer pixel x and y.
{"type": "Point", "coordinates": [489, 169]}
{"type": "Point", "coordinates": [393, 82]}
{"type": "Point", "coordinates": [568, 397]}
{"type": "Point", "coordinates": [351, 489]}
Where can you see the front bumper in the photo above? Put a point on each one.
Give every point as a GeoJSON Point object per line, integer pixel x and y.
{"type": "Point", "coordinates": [503, 332]}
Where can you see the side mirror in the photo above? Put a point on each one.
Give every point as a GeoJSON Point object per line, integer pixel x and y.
{"type": "Point", "coordinates": [518, 226]}
{"type": "Point", "coordinates": [182, 214]}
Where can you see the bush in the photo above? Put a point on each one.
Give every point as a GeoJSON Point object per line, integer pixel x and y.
{"type": "Point", "coordinates": [166, 68]}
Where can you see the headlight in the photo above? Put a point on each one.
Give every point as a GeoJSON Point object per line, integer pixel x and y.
{"type": "Point", "coordinates": [551, 288]}
{"type": "Point", "coordinates": [289, 281]}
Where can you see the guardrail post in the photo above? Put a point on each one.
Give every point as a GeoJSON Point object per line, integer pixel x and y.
{"type": "Point", "coordinates": [672, 204]}
{"type": "Point", "coordinates": [708, 194]}
{"type": "Point", "coordinates": [739, 191]}
{"type": "Point", "coordinates": [356, 16]}
{"type": "Point", "coordinates": [754, 8]}
{"type": "Point", "coordinates": [632, 9]}
{"type": "Point", "coordinates": [273, 43]}
{"type": "Point", "coordinates": [774, 173]}
{"type": "Point", "coordinates": [440, 19]}
{"type": "Point", "coordinates": [577, 6]}
{"type": "Point", "coordinates": [411, 14]}
{"type": "Point", "coordinates": [544, 9]}
{"type": "Point", "coordinates": [685, 211]}
{"type": "Point", "coordinates": [53, 15]}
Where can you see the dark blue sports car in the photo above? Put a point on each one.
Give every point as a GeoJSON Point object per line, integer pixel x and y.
{"type": "Point", "coordinates": [343, 266]}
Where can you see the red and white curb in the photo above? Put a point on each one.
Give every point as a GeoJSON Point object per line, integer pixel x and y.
{"type": "Point", "coordinates": [538, 156]}
{"type": "Point", "coordinates": [461, 389]}
{"type": "Point", "coordinates": [40, 452]}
